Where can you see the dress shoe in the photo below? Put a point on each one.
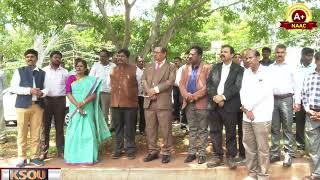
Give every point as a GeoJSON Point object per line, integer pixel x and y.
{"type": "Point", "coordinates": [151, 157]}
{"type": "Point", "coordinates": [116, 155]}
{"type": "Point", "coordinates": [215, 162]}
{"type": "Point", "coordinates": [241, 160]}
{"type": "Point", "coordinates": [131, 156]}
{"type": "Point", "coordinates": [232, 163]}
{"type": "Point", "coordinates": [201, 159]}
{"type": "Point", "coordinates": [37, 162]}
{"type": "Point", "coordinates": [21, 163]}
{"type": "Point", "coordinates": [274, 159]}
{"type": "Point", "coordinates": [183, 127]}
{"type": "Point", "coordinates": [166, 159]}
{"type": "Point", "coordinates": [190, 158]}
{"type": "Point", "coordinates": [287, 160]}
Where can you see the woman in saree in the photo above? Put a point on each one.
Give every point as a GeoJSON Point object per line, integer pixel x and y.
{"type": "Point", "coordinates": [87, 127]}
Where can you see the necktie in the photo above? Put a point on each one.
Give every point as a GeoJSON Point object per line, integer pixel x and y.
{"type": "Point", "coordinates": [158, 67]}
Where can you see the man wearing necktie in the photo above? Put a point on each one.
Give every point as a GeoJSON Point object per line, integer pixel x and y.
{"type": "Point", "coordinates": [28, 83]}
{"type": "Point", "coordinates": [157, 81]}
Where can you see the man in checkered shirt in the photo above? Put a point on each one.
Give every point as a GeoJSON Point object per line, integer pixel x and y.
{"type": "Point", "coordinates": [311, 103]}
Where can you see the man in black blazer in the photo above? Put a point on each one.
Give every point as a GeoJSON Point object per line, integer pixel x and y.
{"type": "Point", "coordinates": [223, 85]}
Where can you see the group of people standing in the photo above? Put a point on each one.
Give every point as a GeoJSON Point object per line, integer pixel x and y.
{"type": "Point", "coordinates": [41, 97]}
{"type": "Point", "coordinates": [258, 96]}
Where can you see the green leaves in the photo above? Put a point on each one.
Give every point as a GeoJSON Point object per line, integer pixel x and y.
{"type": "Point", "coordinates": [250, 23]}
{"type": "Point", "coordinates": [41, 16]}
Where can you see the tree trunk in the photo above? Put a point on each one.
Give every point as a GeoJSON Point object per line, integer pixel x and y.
{"type": "Point", "coordinates": [154, 33]}
{"type": "Point", "coordinates": [110, 32]}
{"type": "Point", "coordinates": [127, 29]}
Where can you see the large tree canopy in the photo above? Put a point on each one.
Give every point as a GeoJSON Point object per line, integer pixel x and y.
{"type": "Point", "coordinates": [176, 24]}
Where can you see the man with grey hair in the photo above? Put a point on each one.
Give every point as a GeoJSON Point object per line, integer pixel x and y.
{"type": "Point", "coordinates": [257, 105]}
{"type": "Point", "coordinates": [157, 81]}
{"type": "Point", "coordinates": [284, 87]}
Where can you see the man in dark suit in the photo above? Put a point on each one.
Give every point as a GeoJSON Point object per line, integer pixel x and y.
{"type": "Point", "coordinates": [157, 82]}
{"type": "Point", "coordinates": [224, 84]}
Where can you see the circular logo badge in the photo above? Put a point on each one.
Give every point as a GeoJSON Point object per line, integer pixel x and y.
{"type": "Point", "coordinates": [298, 16]}
{"type": "Point", "coordinates": [298, 13]}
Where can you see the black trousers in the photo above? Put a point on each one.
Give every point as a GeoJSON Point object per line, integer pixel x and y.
{"type": "Point", "coordinates": [183, 117]}
{"type": "Point", "coordinates": [300, 126]}
{"type": "Point", "coordinates": [241, 149]}
{"type": "Point", "coordinates": [124, 120]}
{"type": "Point", "coordinates": [55, 108]}
{"type": "Point", "coordinates": [176, 102]}
{"type": "Point", "coordinates": [142, 120]}
{"type": "Point", "coordinates": [217, 119]}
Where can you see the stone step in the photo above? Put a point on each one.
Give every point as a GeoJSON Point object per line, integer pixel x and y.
{"type": "Point", "coordinates": [124, 169]}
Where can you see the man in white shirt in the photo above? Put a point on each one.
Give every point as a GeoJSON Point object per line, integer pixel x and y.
{"type": "Point", "coordinates": [257, 105]}
{"type": "Point", "coordinates": [142, 121]}
{"type": "Point", "coordinates": [3, 137]}
{"type": "Point", "coordinates": [284, 88]}
{"type": "Point", "coordinates": [29, 83]}
{"type": "Point", "coordinates": [240, 59]}
{"type": "Point", "coordinates": [182, 116]}
{"type": "Point", "coordinates": [102, 70]}
{"type": "Point", "coordinates": [305, 68]}
{"type": "Point", "coordinates": [224, 84]}
{"type": "Point", "coordinates": [55, 103]}
{"type": "Point", "coordinates": [177, 101]}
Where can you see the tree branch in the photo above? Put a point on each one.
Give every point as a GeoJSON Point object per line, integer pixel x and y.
{"type": "Point", "coordinates": [171, 27]}
{"type": "Point", "coordinates": [133, 2]}
{"type": "Point", "coordinates": [154, 32]}
{"type": "Point", "coordinates": [168, 34]}
{"type": "Point", "coordinates": [112, 34]}
{"type": "Point", "coordinates": [79, 24]}
{"type": "Point", "coordinates": [103, 3]}
{"type": "Point", "coordinates": [221, 7]}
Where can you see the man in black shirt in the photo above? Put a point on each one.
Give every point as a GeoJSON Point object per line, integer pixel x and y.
{"type": "Point", "coordinates": [266, 61]}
